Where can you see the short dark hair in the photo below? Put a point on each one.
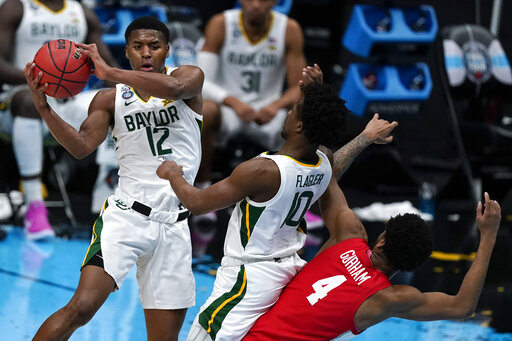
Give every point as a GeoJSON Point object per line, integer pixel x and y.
{"type": "Point", "coordinates": [323, 114]}
{"type": "Point", "coordinates": [408, 241]}
{"type": "Point", "coordinates": [147, 22]}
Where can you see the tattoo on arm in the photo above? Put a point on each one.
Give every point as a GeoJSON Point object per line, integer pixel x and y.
{"type": "Point", "coordinates": [344, 156]}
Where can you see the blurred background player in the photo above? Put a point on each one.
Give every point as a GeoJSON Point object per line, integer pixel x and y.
{"type": "Point", "coordinates": [25, 25]}
{"type": "Point", "coordinates": [246, 57]}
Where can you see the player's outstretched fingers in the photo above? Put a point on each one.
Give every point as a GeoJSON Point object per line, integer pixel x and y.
{"type": "Point", "coordinates": [313, 73]}
{"type": "Point", "coordinates": [32, 82]}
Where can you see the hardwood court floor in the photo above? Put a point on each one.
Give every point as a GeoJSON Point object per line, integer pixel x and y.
{"type": "Point", "coordinates": [36, 279]}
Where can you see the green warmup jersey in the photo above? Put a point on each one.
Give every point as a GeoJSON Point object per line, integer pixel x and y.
{"type": "Point", "coordinates": [146, 133]}
{"type": "Point", "coordinates": [276, 228]}
{"type": "Point", "coordinates": [253, 72]}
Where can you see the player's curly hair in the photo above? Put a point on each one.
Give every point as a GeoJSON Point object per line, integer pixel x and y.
{"type": "Point", "coordinates": [323, 115]}
{"type": "Point", "coordinates": [147, 22]}
{"type": "Point", "coordinates": [408, 241]}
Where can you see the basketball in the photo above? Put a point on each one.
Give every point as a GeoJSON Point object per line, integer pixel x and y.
{"type": "Point", "coordinates": [65, 68]}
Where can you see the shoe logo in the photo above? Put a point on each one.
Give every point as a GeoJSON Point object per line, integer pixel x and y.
{"type": "Point", "coordinates": [128, 103]}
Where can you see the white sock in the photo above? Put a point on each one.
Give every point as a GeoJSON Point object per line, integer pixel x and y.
{"type": "Point", "coordinates": [27, 140]}
{"type": "Point", "coordinates": [32, 189]}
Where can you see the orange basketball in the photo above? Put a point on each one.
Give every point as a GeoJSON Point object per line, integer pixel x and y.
{"type": "Point", "coordinates": [65, 68]}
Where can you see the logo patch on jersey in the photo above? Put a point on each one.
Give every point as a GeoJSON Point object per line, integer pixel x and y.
{"type": "Point", "coordinates": [272, 48]}
{"type": "Point", "coordinates": [127, 94]}
{"type": "Point", "coordinates": [167, 101]}
{"type": "Point", "coordinates": [121, 205]}
{"type": "Point", "coordinates": [128, 103]}
{"type": "Point", "coordinates": [237, 32]}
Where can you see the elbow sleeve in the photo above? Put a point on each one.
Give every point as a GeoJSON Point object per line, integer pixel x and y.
{"type": "Point", "coordinates": [209, 63]}
{"type": "Point", "coordinates": [213, 92]}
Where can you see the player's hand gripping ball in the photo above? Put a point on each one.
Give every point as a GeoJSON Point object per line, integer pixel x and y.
{"type": "Point", "coordinates": [65, 68]}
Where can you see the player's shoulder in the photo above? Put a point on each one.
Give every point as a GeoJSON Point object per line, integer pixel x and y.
{"type": "Point", "coordinates": [261, 162]}
{"type": "Point", "coordinates": [217, 21]}
{"type": "Point", "coordinates": [12, 9]}
{"type": "Point", "coordinates": [258, 167]}
{"type": "Point", "coordinates": [107, 92]}
{"type": "Point", "coordinates": [293, 25]}
{"type": "Point", "coordinates": [214, 33]}
{"type": "Point", "coordinates": [187, 69]}
{"type": "Point", "coordinates": [104, 101]}
{"type": "Point", "coordinates": [7, 3]}
{"type": "Point", "coordinates": [293, 32]}
{"type": "Point", "coordinates": [264, 175]}
{"type": "Point", "coordinates": [105, 96]}
{"type": "Point", "coordinates": [88, 12]}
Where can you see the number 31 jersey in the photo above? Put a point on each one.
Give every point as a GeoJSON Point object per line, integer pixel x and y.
{"type": "Point", "coordinates": [276, 228]}
{"type": "Point", "coordinates": [321, 301]}
{"type": "Point", "coordinates": [147, 133]}
{"type": "Point", "coordinates": [253, 72]}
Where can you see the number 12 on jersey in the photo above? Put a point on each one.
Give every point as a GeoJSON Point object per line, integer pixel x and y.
{"type": "Point", "coordinates": [164, 134]}
{"type": "Point", "coordinates": [323, 286]}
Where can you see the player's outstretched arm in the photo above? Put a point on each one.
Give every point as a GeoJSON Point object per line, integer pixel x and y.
{"type": "Point", "coordinates": [435, 306]}
{"type": "Point", "coordinates": [340, 220]}
{"type": "Point", "coordinates": [377, 131]}
{"type": "Point", "coordinates": [92, 131]}
{"type": "Point", "coordinates": [264, 183]}
{"type": "Point", "coordinates": [185, 82]}
{"type": "Point", "coordinates": [409, 303]}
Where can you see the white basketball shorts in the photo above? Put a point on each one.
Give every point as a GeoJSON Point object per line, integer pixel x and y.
{"type": "Point", "coordinates": [161, 251]}
{"type": "Point", "coordinates": [267, 135]}
{"type": "Point", "coordinates": [241, 294]}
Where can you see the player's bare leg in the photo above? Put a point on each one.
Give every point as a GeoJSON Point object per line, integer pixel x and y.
{"type": "Point", "coordinates": [164, 325]}
{"type": "Point", "coordinates": [93, 289]}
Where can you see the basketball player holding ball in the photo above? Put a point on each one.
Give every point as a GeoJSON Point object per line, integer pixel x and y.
{"type": "Point", "coordinates": [25, 25]}
{"type": "Point", "coordinates": [155, 114]}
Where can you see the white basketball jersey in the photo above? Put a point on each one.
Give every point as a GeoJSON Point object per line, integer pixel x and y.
{"type": "Point", "coordinates": [253, 72]}
{"type": "Point", "coordinates": [276, 228]}
{"type": "Point", "coordinates": [40, 24]}
{"type": "Point", "coordinates": [147, 133]}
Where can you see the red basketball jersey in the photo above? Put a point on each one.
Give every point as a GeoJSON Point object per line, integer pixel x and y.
{"type": "Point", "coordinates": [321, 301]}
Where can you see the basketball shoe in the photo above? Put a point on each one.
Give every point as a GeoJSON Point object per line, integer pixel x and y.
{"type": "Point", "coordinates": [36, 222]}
